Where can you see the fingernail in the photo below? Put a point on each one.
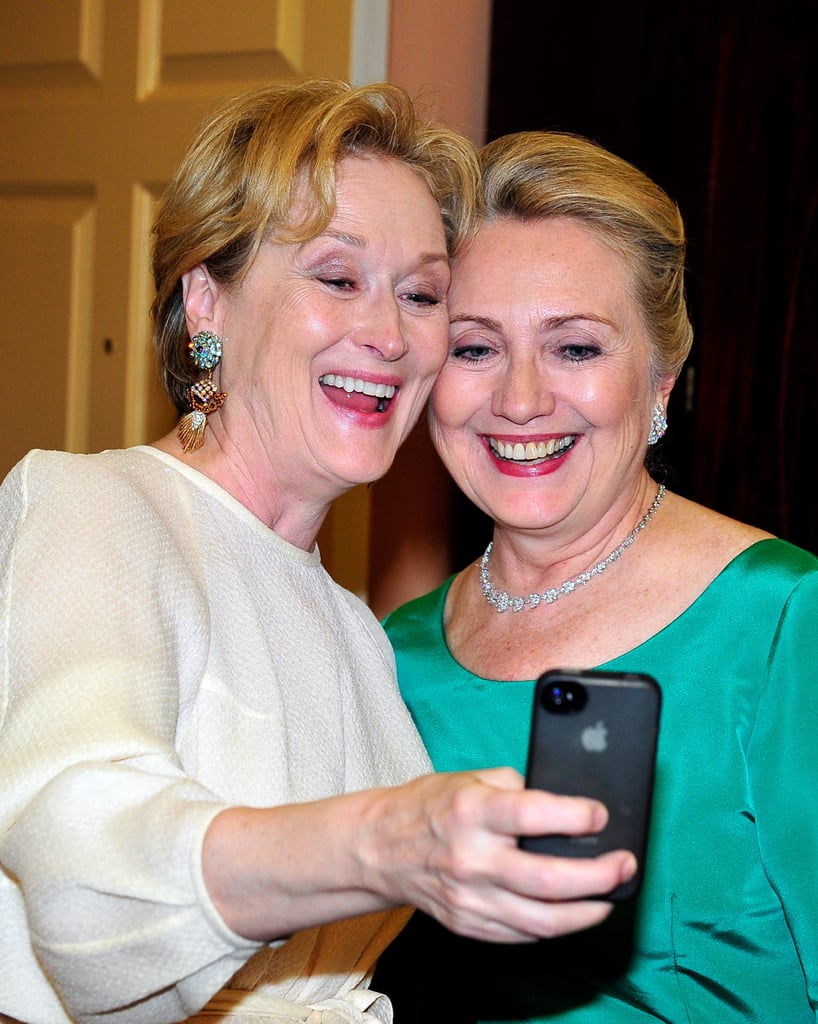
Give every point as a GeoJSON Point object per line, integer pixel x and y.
{"type": "Point", "coordinates": [629, 868]}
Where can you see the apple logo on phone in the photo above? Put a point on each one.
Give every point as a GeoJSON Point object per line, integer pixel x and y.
{"type": "Point", "coordinates": [595, 738]}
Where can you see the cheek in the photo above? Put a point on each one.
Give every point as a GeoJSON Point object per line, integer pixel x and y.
{"type": "Point", "coordinates": [441, 441]}
{"type": "Point", "coordinates": [453, 399]}
{"type": "Point", "coordinates": [434, 348]}
{"type": "Point", "coordinates": [613, 402]}
{"type": "Point", "coordinates": [439, 411]}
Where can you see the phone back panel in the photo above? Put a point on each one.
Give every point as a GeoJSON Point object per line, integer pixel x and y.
{"type": "Point", "coordinates": [604, 749]}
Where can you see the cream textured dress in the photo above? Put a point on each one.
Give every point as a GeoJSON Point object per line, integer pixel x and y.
{"type": "Point", "coordinates": [163, 654]}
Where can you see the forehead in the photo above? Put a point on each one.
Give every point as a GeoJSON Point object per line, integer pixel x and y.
{"type": "Point", "coordinates": [365, 177]}
{"type": "Point", "coordinates": [384, 189]}
{"type": "Point", "coordinates": [356, 171]}
{"type": "Point", "coordinates": [530, 276]}
{"type": "Point", "coordinates": [556, 244]}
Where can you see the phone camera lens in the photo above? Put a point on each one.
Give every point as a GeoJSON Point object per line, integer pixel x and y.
{"type": "Point", "coordinates": [563, 698]}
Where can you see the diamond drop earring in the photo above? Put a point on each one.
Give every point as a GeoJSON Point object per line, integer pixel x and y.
{"type": "Point", "coordinates": [658, 425]}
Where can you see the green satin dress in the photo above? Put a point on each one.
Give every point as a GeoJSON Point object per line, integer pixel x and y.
{"type": "Point", "coordinates": [726, 926]}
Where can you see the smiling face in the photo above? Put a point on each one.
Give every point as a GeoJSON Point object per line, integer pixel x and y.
{"type": "Point", "coordinates": [331, 345]}
{"type": "Point", "coordinates": [543, 408]}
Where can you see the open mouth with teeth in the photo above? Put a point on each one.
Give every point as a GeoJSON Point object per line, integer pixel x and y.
{"type": "Point", "coordinates": [531, 453]}
{"type": "Point", "coordinates": [358, 394]}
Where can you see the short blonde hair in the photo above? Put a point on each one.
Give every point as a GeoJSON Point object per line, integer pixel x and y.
{"type": "Point", "coordinates": [538, 175]}
{"type": "Point", "coordinates": [243, 172]}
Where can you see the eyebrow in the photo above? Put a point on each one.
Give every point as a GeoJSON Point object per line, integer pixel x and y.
{"type": "Point", "coordinates": [360, 243]}
{"type": "Point", "coordinates": [341, 236]}
{"type": "Point", "coordinates": [548, 323]}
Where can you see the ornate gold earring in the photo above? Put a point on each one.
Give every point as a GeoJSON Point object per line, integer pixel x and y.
{"type": "Point", "coordinates": [204, 397]}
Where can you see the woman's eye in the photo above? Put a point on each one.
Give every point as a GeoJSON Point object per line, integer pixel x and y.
{"type": "Point", "coordinates": [579, 351]}
{"type": "Point", "coordinates": [471, 353]}
{"type": "Point", "coordinates": [337, 282]}
{"type": "Point", "coordinates": [422, 298]}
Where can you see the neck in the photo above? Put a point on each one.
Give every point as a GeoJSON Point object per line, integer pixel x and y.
{"type": "Point", "coordinates": [504, 600]}
{"type": "Point", "coordinates": [297, 520]}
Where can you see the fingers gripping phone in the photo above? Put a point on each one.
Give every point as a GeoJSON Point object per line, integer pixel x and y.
{"type": "Point", "coordinates": [594, 734]}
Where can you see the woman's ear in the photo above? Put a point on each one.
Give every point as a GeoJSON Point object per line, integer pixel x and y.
{"type": "Point", "coordinates": [663, 389]}
{"type": "Point", "coordinates": [199, 292]}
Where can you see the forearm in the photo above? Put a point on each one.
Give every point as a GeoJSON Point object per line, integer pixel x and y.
{"type": "Point", "coordinates": [273, 871]}
{"type": "Point", "coordinates": [444, 843]}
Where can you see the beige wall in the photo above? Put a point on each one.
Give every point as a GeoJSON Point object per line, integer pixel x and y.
{"type": "Point", "coordinates": [439, 50]}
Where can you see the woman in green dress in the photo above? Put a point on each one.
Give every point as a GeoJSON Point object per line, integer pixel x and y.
{"type": "Point", "coordinates": [568, 331]}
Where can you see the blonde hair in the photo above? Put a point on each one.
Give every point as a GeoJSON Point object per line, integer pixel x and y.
{"type": "Point", "coordinates": [262, 151]}
{"type": "Point", "coordinates": [538, 175]}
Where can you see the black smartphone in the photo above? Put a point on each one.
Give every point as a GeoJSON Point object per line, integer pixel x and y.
{"type": "Point", "coordinates": [594, 734]}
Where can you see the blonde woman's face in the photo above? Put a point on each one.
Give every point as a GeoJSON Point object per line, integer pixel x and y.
{"type": "Point", "coordinates": [543, 408]}
{"type": "Point", "coordinates": [334, 343]}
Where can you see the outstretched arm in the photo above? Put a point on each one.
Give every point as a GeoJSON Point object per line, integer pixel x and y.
{"type": "Point", "coordinates": [445, 843]}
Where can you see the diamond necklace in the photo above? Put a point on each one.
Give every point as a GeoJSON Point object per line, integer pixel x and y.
{"type": "Point", "coordinates": [502, 601]}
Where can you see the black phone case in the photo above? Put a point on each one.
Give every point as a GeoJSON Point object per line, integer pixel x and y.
{"type": "Point", "coordinates": [594, 734]}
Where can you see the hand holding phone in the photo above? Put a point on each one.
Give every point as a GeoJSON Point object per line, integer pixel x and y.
{"type": "Point", "coordinates": [594, 734]}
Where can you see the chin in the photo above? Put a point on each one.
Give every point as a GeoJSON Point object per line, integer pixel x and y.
{"type": "Point", "coordinates": [376, 475]}
{"type": "Point", "coordinates": [365, 474]}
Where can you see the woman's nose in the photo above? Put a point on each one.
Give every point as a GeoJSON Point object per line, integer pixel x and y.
{"type": "Point", "coordinates": [383, 330]}
{"type": "Point", "coordinates": [523, 393]}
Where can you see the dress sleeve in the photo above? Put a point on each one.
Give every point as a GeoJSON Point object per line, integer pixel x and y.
{"type": "Point", "coordinates": [100, 828]}
{"type": "Point", "coordinates": [782, 763]}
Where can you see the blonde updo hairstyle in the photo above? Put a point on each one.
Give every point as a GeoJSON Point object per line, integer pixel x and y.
{"type": "Point", "coordinates": [539, 175]}
{"type": "Point", "coordinates": [262, 152]}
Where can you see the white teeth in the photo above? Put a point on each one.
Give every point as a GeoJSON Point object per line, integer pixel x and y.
{"type": "Point", "coordinates": [530, 451]}
{"type": "Point", "coordinates": [365, 387]}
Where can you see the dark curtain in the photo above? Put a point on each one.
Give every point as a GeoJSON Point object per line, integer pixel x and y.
{"type": "Point", "coordinates": [758, 353]}
{"type": "Point", "coordinates": [719, 104]}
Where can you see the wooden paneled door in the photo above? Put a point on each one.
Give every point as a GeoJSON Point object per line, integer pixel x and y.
{"type": "Point", "coordinates": [98, 99]}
